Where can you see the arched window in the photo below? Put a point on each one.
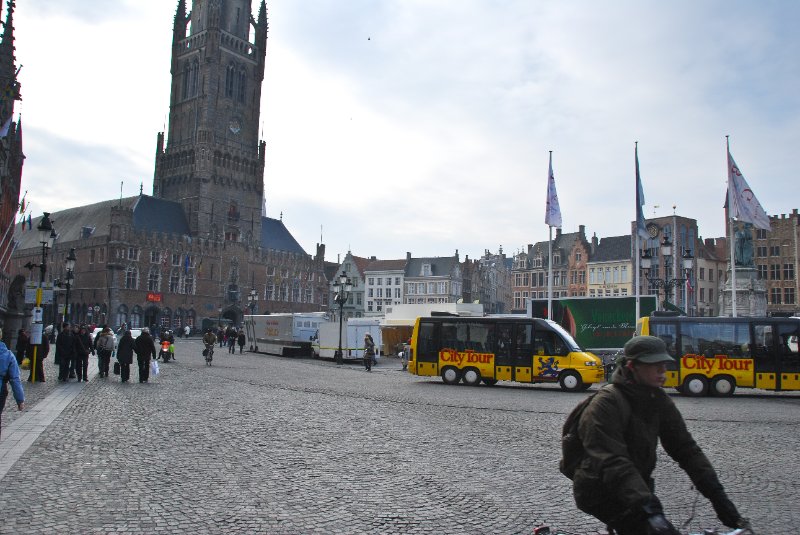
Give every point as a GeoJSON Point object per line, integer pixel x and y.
{"type": "Point", "coordinates": [177, 319]}
{"type": "Point", "coordinates": [154, 279]}
{"type": "Point", "coordinates": [195, 78]}
{"type": "Point", "coordinates": [242, 86]}
{"type": "Point", "coordinates": [230, 80]}
{"type": "Point", "coordinates": [122, 315]}
{"type": "Point", "coordinates": [132, 278]}
{"type": "Point", "coordinates": [175, 281]}
{"type": "Point", "coordinates": [136, 317]}
{"type": "Point", "coordinates": [190, 318]}
{"type": "Point", "coordinates": [188, 284]}
{"type": "Point", "coordinates": [166, 316]}
{"type": "Point", "coordinates": [187, 73]}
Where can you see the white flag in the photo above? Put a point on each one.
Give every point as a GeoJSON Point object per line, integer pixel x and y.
{"type": "Point", "coordinates": [640, 228]}
{"type": "Point", "coordinates": [4, 129]}
{"type": "Point", "coordinates": [742, 202]}
{"type": "Point", "coordinates": [552, 216]}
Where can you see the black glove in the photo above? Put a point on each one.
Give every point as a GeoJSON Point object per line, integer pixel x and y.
{"type": "Point", "coordinates": [658, 525]}
{"type": "Point", "coordinates": [726, 512]}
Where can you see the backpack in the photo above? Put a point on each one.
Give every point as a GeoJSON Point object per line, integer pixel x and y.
{"type": "Point", "coordinates": [572, 451]}
{"type": "Point", "coordinates": [103, 342]}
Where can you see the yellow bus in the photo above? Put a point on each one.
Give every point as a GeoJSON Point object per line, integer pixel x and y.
{"type": "Point", "coordinates": [715, 355]}
{"type": "Point", "coordinates": [491, 349]}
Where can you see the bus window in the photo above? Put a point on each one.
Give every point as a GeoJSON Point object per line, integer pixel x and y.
{"type": "Point", "coordinates": [427, 343]}
{"type": "Point", "coordinates": [787, 347]}
{"type": "Point", "coordinates": [762, 350]}
{"type": "Point", "coordinates": [713, 339]}
{"type": "Point", "coordinates": [500, 344]}
{"type": "Point", "coordinates": [524, 346]}
{"type": "Point", "coordinates": [549, 344]}
{"type": "Point", "coordinates": [668, 333]}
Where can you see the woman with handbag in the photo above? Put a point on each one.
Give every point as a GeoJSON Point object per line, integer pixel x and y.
{"type": "Point", "coordinates": [369, 352]}
{"type": "Point", "coordinates": [104, 344]}
{"type": "Point", "coordinates": [125, 356]}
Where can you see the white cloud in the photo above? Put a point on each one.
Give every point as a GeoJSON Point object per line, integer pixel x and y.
{"type": "Point", "coordinates": [425, 126]}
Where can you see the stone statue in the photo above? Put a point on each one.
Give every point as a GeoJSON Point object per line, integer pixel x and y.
{"type": "Point", "coordinates": [743, 246]}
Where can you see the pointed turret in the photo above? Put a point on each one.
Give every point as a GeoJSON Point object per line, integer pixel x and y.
{"type": "Point", "coordinates": [262, 26]}
{"type": "Point", "coordinates": [7, 59]}
{"type": "Point", "coordinates": [179, 29]}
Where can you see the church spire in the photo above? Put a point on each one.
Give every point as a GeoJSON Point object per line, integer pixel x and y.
{"type": "Point", "coordinates": [7, 59]}
{"type": "Point", "coordinates": [179, 29]}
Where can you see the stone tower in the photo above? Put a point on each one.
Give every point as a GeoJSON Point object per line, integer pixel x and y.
{"type": "Point", "coordinates": [212, 161]}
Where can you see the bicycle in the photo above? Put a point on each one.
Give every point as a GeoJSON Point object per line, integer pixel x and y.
{"type": "Point", "coordinates": [209, 354]}
{"type": "Point", "coordinates": [545, 530]}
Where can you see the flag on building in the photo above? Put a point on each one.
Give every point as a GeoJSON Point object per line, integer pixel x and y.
{"type": "Point", "coordinates": [22, 205]}
{"type": "Point", "coordinates": [640, 228]}
{"type": "Point", "coordinates": [742, 202]}
{"type": "Point", "coordinates": [552, 216]}
{"type": "Point", "coordinates": [200, 267]}
{"type": "Point", "coordinates": [186, 264]}
{"type": "Point", "coordinates": [29, 221]}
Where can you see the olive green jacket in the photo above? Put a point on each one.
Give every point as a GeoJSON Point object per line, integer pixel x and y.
{"type": "Point", "coordinates": [620, 444]}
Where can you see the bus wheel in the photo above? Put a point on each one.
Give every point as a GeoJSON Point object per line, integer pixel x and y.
{"type": "Point", "coordinates": [472, 377]}
{"type": "Point", "coordinates": [570, 381]}
{"type": "Point", "coordinates": [723, 386]}
{"type": "Point", "coordinates": [695, 386]}
{"type": "Point", "coordinates": [489, 382]}
{"type": "Point", "coordinates": [450, 375]}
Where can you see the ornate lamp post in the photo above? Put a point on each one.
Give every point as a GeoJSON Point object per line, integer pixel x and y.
{"type": "Point", "coordinates": [252, 299]}
{"type": "Point", "coordinates": [668, 283]}
{"type": "Point", "coordinates": [69, 264]}
{"type": "Point", "coordinates": [47, 236]}
{"type": "Point", "coordinates": [342, 287]}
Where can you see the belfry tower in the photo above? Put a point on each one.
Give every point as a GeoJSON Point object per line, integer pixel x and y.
{"type": "Point", "coordinates": [212, 161]}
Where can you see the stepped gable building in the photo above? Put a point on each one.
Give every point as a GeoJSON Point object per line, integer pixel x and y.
{"type": "Point", "coordinates": [529, 274]}
{"type": "Point", "coordinates": [200, 248]}
{"type": "Point", "coordinates": [11, 160]}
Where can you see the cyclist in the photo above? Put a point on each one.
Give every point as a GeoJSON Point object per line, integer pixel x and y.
{"type": "Point", "coordinates": [620, 434]}
{"type": "Point", "coordinates": [209, 339]}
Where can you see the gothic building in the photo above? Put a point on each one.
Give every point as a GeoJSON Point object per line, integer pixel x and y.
{"type": "Point", "coordinates": [11, 159]}
{"type": "Point", "coordinates": [199, 248]}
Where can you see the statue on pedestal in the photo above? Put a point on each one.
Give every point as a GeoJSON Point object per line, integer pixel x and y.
{"type": "Point", "coordinates": [743, 246]}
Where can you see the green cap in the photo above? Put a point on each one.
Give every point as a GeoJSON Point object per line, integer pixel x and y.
{"type": "Point", "coordinates": [647, 349]}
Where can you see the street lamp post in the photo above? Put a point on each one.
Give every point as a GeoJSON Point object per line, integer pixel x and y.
{"type": "Point", "coordinates": [252, 298]}
{"type": "Point", "coordinates": [47, 236]}
{"type": "Point", "coordinates": [342, 287]}
{"type": "Point", "coordinates": [69, 264]}
{"type": "Point", "coordinates": [668, 283]}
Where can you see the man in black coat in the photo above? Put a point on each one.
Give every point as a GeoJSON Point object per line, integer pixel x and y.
{"type": "Point", "coordinates": [65, 352]}
{"type": "Point", "coordinates": [145, 350]}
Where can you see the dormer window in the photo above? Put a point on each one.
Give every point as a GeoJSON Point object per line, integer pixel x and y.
{"type": "Point", "coordinates": [426, 270]}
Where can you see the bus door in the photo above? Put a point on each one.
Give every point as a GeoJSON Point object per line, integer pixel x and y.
{"type": "Point", "coordinates": [500, 343]}
{"type": "Point", "coordinates": [426, 357]}
{"type": "Point", "coordinates": [763, 353]}
{"type": "Point", "coordinates": [550, 355]}
{"type": "Point", "coordinates": [788, 356]}
{"type": "Point", "coordinates": [523, 352]}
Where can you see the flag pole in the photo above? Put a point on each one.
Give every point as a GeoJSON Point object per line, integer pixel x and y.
{"type": "Point", "coordinates": [730, 227]}
{"type": "Point", "coordinates": [638, 243]}
{"type": "Point", "coordinates": [550, 274]}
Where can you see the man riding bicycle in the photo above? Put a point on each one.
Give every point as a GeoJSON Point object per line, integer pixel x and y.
{"type": "Point", "coordinates": [209, 339]}
{"type": "Point", "coordinates": [620, 431]}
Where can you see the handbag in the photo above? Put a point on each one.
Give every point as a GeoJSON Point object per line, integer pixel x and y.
{"type": "Point", "coordinates": [205, 352]}
{"type": "Point", "coordinates": [116, 368]}
{"type": "Point", "coordinates": [154, 367]}
{"type": "Point", "coordinates": [26, 364]}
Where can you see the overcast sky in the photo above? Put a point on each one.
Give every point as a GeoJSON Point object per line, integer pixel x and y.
{"type": "Point", "coordinates": [425, 125]}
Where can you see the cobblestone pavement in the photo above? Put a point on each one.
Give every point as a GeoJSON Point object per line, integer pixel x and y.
{"type": "Point", "coordinates": [263, 444]}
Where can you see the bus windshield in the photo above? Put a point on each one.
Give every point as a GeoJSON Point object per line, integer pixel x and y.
{"type": "Point", "coordinates": [573, 345]}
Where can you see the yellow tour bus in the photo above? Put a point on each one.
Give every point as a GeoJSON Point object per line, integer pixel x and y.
{"type": "Point", "coordinates": [491, 349]}
{"type": "Point", "coordinates": [715, 355]}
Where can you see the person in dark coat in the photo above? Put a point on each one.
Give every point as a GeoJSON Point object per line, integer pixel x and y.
{"type": "Point", "coordinates": [241, 339]}
{"type": "Point", "coordinates": [42, 351]}
{"type": "Point", "coordinates": [83, 348]}
{"type": "Point", "coordinates": [125, 356]}
{"type": "Point", "coordinates": [65, 352]}
{"type": "Point", "coordinates": [620, 434]}
{"type": "Point", "coordinates": [104, 346]}
{"type": "Point", "coordinates": [145, 350]}
{"type": "Point", "coordinates": [23, 340]}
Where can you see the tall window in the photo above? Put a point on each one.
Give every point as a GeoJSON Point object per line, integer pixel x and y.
{"type": "Point", "coordinates": [762, 271]}
{"type": "Point", "coordinates": [188, 284]}
{"type": "Point", "coordinates": [242, 88]}
{"type": "Point", "coordinates": [154, 279]}
{"type": "Point", "coordinates": [775, 294]}
{"type": "Point", "coordinates": [132, 278]}
{"type": "Point", "coordinates": [788, 296]}
{"type": "Point", "coordinates": [230, 80]}
{"type": "Point", "coordinates": [788, 272]}
{"type": "Point", "coordinates": [175, 281]}
{"type": "Point", "coordinates": [775, 272]}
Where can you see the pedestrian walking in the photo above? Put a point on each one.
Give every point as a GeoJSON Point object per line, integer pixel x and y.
{"type": "Point", "coordinates": [369, 351]}
{"type": "Point", "coordinates": [9, 369]}
{"type": "Point", "coordinates": [241, 339]}
{"type": "Point", "coordinates": [83, 347]}
{"type": "Point", "coordinates": [620, 429]}
{"type": "Point", "coordinates": [104, 345]}
{"type": "Point", "coordinates": [23, 340]}
{"type": "Point", "coordinates": [37, 368]}
{"type": "Point", "coordinates": [65, 352]}
{"type": "Point", "coordinates": [231, 340]}
{"type": "Point", "coordinates": [221, 336]}
{"type": "Point", "coordinates": [145, 350]}
{"type": "Point", "coordinates": [125, 356]}
{"type": "Point", "coordinates": [186, 331]}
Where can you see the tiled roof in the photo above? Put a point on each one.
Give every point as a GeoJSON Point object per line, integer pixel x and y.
{"type": "Point", "coordinates": [440, 266]}
{"type": "Point", "coordinates": [275, 236]}
{"type": "Point", "coordinates": [386, 265]}
{"type": "Point", "coordinates": [159, 215]}
{"type": "Point", "coordinates": [74, 223]}
{"type": "Point", "coordinates": [612, 248]}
